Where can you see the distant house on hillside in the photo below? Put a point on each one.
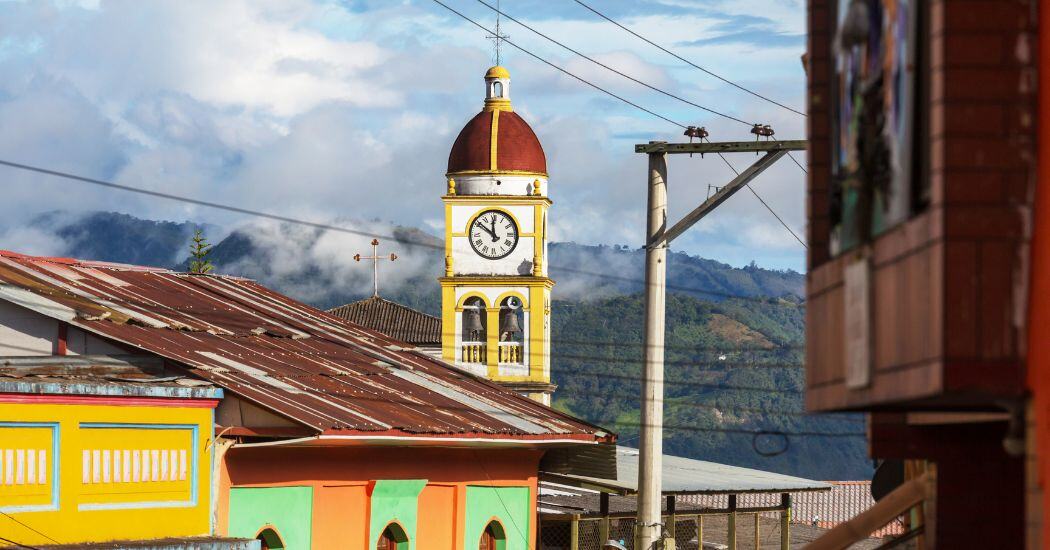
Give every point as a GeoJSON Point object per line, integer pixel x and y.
{"type": "Point", "coordinates": [326, 434]}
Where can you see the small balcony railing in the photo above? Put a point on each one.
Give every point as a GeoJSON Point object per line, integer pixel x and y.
{"type": "Point", "coordinates": [473, 352]}
{"type": "Point", "coordinates": [510, 352]}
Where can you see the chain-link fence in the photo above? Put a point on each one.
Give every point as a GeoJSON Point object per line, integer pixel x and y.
{"type": "Point", "coordinates": [752, 530]}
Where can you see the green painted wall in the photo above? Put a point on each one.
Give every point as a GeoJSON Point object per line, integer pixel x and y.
{"type": "Point", "coordinates": [288, 509]}
{"type": "Point", "coordinates": [510, 505]}
{"type": "Point", "coordinates": [395, 500]}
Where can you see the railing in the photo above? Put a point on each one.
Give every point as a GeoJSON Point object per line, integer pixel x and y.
{"type": "Point", "coordinates": [731, 528]}
{"type": "Point", "coordinates": [473, 352]}
{"type": "Point", "coordinates": [824, 509]}
{"type": "Point", "coordinates": [510, 352]}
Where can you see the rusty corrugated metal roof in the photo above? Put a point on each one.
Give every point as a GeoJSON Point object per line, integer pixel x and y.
{"type": "Point", "coordinates": [311, 367]}
{"type": "Point", "coordinates": [393, 319]}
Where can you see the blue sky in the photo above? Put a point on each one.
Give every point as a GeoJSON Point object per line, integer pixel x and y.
{"type": "Point", "coordinates": [346, 110]}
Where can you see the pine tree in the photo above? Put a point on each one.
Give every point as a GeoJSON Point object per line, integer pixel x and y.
{"type": "Point", "coordinates": [199, 251]}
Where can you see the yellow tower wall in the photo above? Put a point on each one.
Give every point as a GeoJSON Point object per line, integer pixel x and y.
{"type": "Point", "coordinates": [522, 274]}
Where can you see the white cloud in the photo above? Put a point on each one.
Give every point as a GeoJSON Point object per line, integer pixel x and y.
{"type": "Point", "coordinates": [312, 109]}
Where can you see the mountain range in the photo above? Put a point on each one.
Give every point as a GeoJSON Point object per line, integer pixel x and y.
{"type": "Point", "coordinates": [734, 335]}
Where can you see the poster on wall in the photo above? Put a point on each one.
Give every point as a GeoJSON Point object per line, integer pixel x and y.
{"type": "Point", "coordinates": [874, 119]}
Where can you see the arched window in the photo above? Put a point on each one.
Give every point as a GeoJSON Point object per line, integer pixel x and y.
{"type": "Point", "coordinates": [497, 89]}
{"type": "Point", "coordinates": [270, 540]}
{"type": "Point", "coordinates": [474, 321]}
{"type": "Point", "coordinates": [393, 538]}
{"type": "Point", "coordinates": [493, 538]}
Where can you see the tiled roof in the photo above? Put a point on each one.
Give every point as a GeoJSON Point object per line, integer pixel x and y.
{"type": "Point", "coordinates": [322, 372]}
{"type": "Point", "coordinates": [393, 319]}
{"type": "Point", "coordinates": [517, 147]}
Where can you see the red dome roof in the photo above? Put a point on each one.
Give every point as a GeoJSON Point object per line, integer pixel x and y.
{"type": "Point", "coordinates": [517, 149]}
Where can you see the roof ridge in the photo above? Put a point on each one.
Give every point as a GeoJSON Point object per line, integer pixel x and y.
{"type": "Point", "coordinates": [115, 266]}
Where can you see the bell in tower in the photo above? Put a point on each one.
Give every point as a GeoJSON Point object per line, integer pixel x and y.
{"type": "Point", "coordinates": [509, 326]}
{"type": "Point", "coordinates": [473, 325]}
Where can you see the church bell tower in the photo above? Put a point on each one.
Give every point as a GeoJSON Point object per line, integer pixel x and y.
{"type": "Point", "coordinates": [496, 292]}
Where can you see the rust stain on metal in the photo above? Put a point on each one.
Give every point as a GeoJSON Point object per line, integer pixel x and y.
{"type": "Point", "coordinates": [317, 369]}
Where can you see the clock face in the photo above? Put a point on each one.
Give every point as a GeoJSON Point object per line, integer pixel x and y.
{"type": "Point", "coordinates": [493, 234]}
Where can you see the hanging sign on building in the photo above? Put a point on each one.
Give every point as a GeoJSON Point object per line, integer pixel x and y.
{"type": "Point", "coordinates": [874, 123]}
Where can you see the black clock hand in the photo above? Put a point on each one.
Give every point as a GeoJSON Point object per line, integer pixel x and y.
{"type": "Point", "coordinates": [487, 230]}
{"type": "Point", "coordinates": [493, 232]}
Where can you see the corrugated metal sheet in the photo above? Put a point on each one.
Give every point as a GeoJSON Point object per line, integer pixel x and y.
{"type": "Point", "coordinates": [683, 476]}
{"type": "Point", "coordinates": [309, 366]}
{"type": "Point", "coordinates": [393, 319]}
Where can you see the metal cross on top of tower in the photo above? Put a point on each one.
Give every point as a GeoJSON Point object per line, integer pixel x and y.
{"type": "Point", "coordinates": [375, 257]}
{"type": "Point", "coordinates": [497, 38]}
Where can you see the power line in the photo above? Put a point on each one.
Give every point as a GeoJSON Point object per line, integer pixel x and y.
{"type": "Point", "coordinates": [694, 65]}
{"type": "Point", "coordinates": [496, 491]}
{"type": "Point", "coordinates": [329, 227]}
{"type": "Point", "coordinates": [664, 92]}
{"type": "Point", "coordinates": [18, 544]}
{"type": "Point", "coordinates": [581, 79]}
{"type": "Point", "coordinates": [715, 367]}
{"type": "Point", "coordinates": [757, 196]}
{"type": "Point", "coordinates": [14, 519]}
{"type": "Point", "coordinates": [629, 77]}
{"type": "Point", "coordinates": [746, 431]}
{"type": "Point", "coordinates": [611, 344]}
{"type": "Point", "coordinates": [410, 404]}
{"type": "Point", "coordinates": [766, 411]}
{"type": "Point", "coordinates": [793, 159]}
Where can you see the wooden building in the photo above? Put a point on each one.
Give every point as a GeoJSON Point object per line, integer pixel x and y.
{"type": "Point", "coordinates": [327, 434]}
{"type": "Point", "coordinates": [922, 171]}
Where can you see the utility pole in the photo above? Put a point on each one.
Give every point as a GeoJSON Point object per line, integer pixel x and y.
{"type": "Point", "coordinates": [375, 257]}
{"type": "Point", "coordinates": [648, 532]}
{"type": "Point", "coordinates": [650, 456]}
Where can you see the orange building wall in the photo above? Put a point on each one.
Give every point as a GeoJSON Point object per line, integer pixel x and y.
{"type": "Point", "coordinates": [340, 516]}
{"type": "Point", "coordinates": [440, 505]}
{"type": "Point", "coordinates": [340, 479]}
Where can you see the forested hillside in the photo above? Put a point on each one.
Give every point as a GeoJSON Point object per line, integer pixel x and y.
{"type": "Point", "coordinates": [731, 366]}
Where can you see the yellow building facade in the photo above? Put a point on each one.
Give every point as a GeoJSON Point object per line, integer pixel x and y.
{"type": "Point", "coordinates": [78, 468]}
{"type": "Point", "coordinates": [496, 291]}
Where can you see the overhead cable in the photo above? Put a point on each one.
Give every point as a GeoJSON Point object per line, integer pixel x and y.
{"type": "Point", "coordinates": [538, 58]}
{"type": "Point", "coordinates": [627, 76]}
{"type": "Point", "coordinates": [329, 227]}
{"type": "Point", "coordinates": [686, 61]}
{"type": "Point", "coordinates": [764, 203]}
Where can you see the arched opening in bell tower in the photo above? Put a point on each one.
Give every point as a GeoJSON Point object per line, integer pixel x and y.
{"type": "Point", "coordinates": [511, 330]}
{"type": "Point", "coordinates": [474, 330]}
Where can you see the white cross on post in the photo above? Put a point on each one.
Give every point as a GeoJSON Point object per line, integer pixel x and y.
{"type": "Point", "coordinates": [375, 257]}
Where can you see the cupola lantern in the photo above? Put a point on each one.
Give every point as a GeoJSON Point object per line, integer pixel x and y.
{"type": "Point", "coordinates": [497, 89]}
